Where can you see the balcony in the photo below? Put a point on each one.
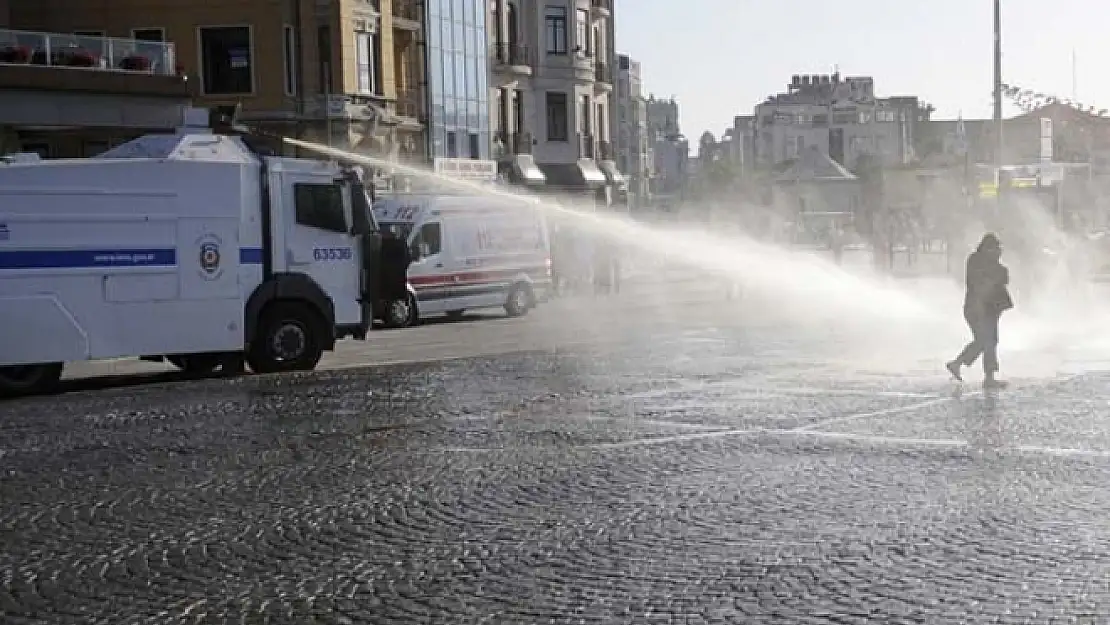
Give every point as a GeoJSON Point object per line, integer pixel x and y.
{"type": "Point", "coordinates": [407, 15]}
{"type": "Point", "coordinates": [583, 67]}
{"type": "Point", "coordinates": [62, 62]}
{"type": "Point", "coordinates": [603, 77]}
{"type": "Point", "coordinates": [602, 8]}
{"type": "Point", "coordinates": [512, 59]}
{"type": "Point", "coordinates": [587, 146]}
{"type": "Point", "coordinates": [20, 47]}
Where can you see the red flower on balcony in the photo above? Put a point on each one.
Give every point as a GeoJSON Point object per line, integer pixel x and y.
{"type": "Point", "coordinates": [77, 58]}
{"type": "Point", "coordinates": [15, 54]}
{"type": "Point", "coordinates": [135, 63]}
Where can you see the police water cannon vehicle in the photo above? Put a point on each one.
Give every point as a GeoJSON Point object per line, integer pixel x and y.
{"type": "Point", "coordinates": [192, 247]}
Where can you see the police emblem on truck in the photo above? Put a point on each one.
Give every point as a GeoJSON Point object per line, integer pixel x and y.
{"type": "Point", "coordinates": [209, 257]}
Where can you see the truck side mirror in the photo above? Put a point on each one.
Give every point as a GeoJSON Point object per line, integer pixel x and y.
{"type": "Point", "coordinates": [425, 250]}
{"type": "Point", "coordinates": [414, 251]}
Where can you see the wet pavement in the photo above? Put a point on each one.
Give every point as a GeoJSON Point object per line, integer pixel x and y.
{"type": "Point", "coordinates": [685, 470]}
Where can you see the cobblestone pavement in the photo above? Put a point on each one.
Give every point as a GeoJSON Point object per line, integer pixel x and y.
{"type": "Point", "coordinates": [697, 473]}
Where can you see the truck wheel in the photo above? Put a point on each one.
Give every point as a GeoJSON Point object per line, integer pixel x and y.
{"type": "Point", "coordinates": [29, 379]}
{"type": "Point", "coordinates": [290, 338]}
{"type": "Point", "coordinates": [520, 300]}
{"type": "Point", "coordinates": [401, 313]}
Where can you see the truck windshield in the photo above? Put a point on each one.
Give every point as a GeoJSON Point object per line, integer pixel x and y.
{"type": "Point", "coordinates": [400, 229]}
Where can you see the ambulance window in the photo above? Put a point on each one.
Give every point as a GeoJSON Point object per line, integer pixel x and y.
{"type": "Point", "coordinates": [320, 206]}
{"type": "Point", "coordinates": [430, 236]}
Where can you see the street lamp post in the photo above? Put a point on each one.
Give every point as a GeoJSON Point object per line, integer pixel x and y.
{"type": "Point", "coordinates": [998, 81]}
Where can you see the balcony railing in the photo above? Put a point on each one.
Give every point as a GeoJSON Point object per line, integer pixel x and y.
{"type": "Point", "coordinates": [510, 54]}
{"type": "Point", "coordinates": [603, 73]}
{"type": "Point", "coordinates": [410, 103]}
{"type": "Point", "coordinates": [587, 146]}
{"type": "Point", "coordinates": [21, 47]}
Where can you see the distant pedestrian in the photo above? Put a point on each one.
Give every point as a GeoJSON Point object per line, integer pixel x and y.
{"type": "Point", "coordinates": [986, 299]}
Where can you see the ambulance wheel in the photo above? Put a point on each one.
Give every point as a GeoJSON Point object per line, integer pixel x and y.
{"type": "Point", "coordinates": [289, 339]}
{"type": "Point", "coordinates": [29, 379]}
{"type": "Point", "coordinates": [520, 300]}
{"type": "Point", "coordinates": [401, 313]}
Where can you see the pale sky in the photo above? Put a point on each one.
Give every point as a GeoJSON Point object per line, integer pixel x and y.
{"type": "Point", "coordinates": [722, 57]}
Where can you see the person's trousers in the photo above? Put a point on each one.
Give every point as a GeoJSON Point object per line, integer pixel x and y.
{"type": "Point", "coordinates": [984, 332]}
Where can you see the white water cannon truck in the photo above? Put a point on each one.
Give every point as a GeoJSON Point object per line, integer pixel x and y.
{"type": "Point", "coordinates": [194, 248]}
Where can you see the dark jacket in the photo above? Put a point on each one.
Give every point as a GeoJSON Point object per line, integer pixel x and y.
{"type": "Point", "coordinates": [987, 281]}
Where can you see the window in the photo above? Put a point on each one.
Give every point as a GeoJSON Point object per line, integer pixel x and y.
{"type": "Point", "coordinates": [475, 146]}
{"type": "Point", "coordinates": [555, 21]}
{"type": "Point", "coordinates": [323, 52]}
{"type": "Point", "coordinates": [557, 117]}
{"type": "Point", "coordinates": [428, 241]}
{"type": "Point", "coordinates": [585, 114]}
{"type": "Point", "coordinates": [452, 145]}
{"type": "Point", "coordinates": [320, 206]}
{"type": "Point", "coordinates": [89, 33]}
{"type": "Point", "coordinates": [582, 33]}
{"type": "Point", "coordinates": [364, 58]}
{"type": "Point", "coordinates": [225, 60]}
{"type": "Point", "coordinates": [148, 34]}
{"type": "Point", "coordinates": [289, 49]}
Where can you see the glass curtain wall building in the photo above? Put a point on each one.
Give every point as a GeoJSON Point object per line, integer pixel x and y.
{"type": "Point", "coordinates": [458, 79]}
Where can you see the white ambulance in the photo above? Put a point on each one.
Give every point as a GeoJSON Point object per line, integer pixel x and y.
{"type": "Point", "coordinates": [471, 251]}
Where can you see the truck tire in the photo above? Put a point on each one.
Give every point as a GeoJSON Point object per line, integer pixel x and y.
{"type": "Point", "coordinates": [290, 338]}
{"type": "Point", "coordinates": [29, 379]}
{"type": "Point", "coordinates": [519, 301]}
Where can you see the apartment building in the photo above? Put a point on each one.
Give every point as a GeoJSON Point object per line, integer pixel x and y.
{"type": "Point", "coordinates": [343, 72]}
{"type": "Point", "coordinates": [552, 72]}
{"type": "Point", "coordinates": [842, 117]}
{"type": "Point", "coordinates": [63, 95]}
{"type": "Point", "coordinates": [633, 147]}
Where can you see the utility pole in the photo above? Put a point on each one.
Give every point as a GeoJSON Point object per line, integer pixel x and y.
{"type": "Point", "coordinates": [998, 82]}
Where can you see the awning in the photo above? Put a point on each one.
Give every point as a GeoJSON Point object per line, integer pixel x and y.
{"type": "Point", "coordinates": [613, 175]}
{"type": "Point", "coordinates": [583, 174]}
{"type": "Point", "coordinates": [522, 169]}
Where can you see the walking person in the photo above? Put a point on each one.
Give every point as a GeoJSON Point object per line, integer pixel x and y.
{"type": "Point", "coordinates": [986, 299]}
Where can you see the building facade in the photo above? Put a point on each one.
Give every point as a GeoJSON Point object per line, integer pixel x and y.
{"type": "Point", "coordinates": [633, 147]}
{"type": "Point", "coordinates": [842, 117]}
{"type": "Point", "coordinates": [129, 87]}
{"type": "Point", "coordinates": [670, 152]}
{"type": "Point", "coordinates": [343, 72]}
{"type": "Point", "coordinates": [458, 79]}
{"type": "Point", "coordinates": [553, 84]}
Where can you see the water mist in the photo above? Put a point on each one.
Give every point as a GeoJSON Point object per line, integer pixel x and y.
{"type": "Point", "coordinates": [901, 322]}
